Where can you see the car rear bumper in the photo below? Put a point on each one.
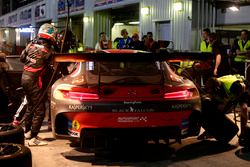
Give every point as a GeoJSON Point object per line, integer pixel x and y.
{"type": "Point", "coordinates": [70, 124]}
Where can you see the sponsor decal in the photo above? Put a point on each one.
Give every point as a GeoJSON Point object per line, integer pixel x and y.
{"type": "Point", "coordinates": [181, 106]}
{"type": "Point", "coordinates": [132, 102]}
{"type": "Point", "coordinates": [73, 128]}
{"type": "Point", "coordinates": [81, 107]}
{"type": "Point", "coordinates": [73, 133]}
{"type": "Point", "coordinates": [75, 125]}
{"type": "Point", "coordinates": [134, 110]}
{"type": "Point", "coordinates": [132, 119]}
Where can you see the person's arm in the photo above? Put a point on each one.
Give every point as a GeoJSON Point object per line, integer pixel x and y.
{"type": "Point", "coordinates": [24, 53]}
{"type": "Point", "coordinates": [97, 46]}
{"type": "Point", "coordinates": [217, 63]}
{"type": "Point", "coordinates": [201, 46]}
{"type": "Point", "coordinates": [109, 44]}
{"type": "Point", "coordinates": [238, 52]}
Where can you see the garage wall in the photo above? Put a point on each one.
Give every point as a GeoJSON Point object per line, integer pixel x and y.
{"type": "Point", "coordinates": [203, 17]}
{"type": "Point", "coordinates": [230, 17]}
{"type": "Point", "coordinates": [162, 11]}
{"type": "Point", "coordinates": [88, 27]}
{"type": "Point", "coordinates": [102, 23]}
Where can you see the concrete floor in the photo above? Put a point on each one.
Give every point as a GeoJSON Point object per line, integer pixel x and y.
{"type": "Point", "coordinates": [191, 153]}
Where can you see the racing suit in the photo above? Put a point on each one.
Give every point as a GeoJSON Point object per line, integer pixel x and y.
{"type": "Point", "coordinates": [36, 60]}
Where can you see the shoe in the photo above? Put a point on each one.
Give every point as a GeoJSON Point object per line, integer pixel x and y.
{"type": "Point", "coordinates": [36, 141]}
{"type": "Point", "coordinates": [28, 135]}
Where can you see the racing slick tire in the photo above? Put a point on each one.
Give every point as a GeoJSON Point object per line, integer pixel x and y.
{"type": "Point", "coordinates": [15, 155]}
{"type": "Point", "coordinates": [244, 140]}
{"type": "Point", "coordinates": [216, 123]}
{"type": "Point", "coordinates": [194, 123]}
{"type": "Point", "coordinates": [4, 106]}
{"type": "Point", "coordinates": [11, 134]}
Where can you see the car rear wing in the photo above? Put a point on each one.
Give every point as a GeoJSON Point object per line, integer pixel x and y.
{"type": "Point", "coordinates": [140, 57]}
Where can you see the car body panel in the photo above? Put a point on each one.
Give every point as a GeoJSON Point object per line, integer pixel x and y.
{"type": "Point", "coordinates": [118, 102]}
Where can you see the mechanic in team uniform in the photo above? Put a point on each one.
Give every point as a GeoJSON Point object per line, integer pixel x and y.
{"type": "Point", "coordinates": [225, 93]}
{"type": "Point", "coordinates": [36, 59]}
{"type": "Point", "coordinates": [242, 51]}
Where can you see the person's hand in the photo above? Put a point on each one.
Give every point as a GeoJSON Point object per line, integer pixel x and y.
{"type": "Point", "coordinates": [215, 72]}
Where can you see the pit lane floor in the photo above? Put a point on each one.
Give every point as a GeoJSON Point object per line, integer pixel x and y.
{"type": "Point", "coordinates": [191, 153]}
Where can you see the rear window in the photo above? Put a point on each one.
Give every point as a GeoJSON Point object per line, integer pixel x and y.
{"type": "Point", "coordinates": [125, 72]}
{"type": "Point", "coordinates": [124, 68]}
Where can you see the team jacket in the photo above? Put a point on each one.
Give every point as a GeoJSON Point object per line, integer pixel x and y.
{"type": "Point", "coordinates": [35, 57]}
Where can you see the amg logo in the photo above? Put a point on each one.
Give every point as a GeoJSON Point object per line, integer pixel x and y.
{"type": "Point", "coordinates": [80, 107]}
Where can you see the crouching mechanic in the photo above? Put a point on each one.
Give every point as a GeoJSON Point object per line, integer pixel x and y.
{"type": "Point", "coordinates": [227, 92]}
{"type": "Point", "coordinates": [36, 58]}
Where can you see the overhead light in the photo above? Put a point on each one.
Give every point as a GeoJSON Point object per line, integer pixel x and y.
{"type": "Point", "coordinates": [178, 6]}
{"type": "Point", "coordinates": [134, 22]}
{"type": "Point", "coordinates": [234, 8]}
{"type": "Point", "coordinates": [145, 10]}
{"type": "Point", "coordinates": [86, 19]}
{"type": "Point", "coordinates": [119, 24]}
{"type": "Point", "coordinates": [6, 31]}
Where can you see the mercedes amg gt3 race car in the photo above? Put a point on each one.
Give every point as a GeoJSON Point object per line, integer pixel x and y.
{"type": "Point", "coordinates": [123, 94]}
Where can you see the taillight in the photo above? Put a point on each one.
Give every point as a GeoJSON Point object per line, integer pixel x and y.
{"type": "Point", "coordinates": [66, 94]}
{"type": "Point", "coordinates": [178, 94]}
{"type": "Point", "coordinates": [80, 95]}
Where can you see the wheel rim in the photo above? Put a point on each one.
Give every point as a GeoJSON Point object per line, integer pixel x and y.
{"type": "Point", "coordinates": [8, 149]}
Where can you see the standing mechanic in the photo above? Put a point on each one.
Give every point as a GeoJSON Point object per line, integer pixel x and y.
{"type": "Point", "coordinates": [242, 51]}
{"type": "Point", "coordinates": [205, 46]}
{"type": "Point", "coordinates": [36, 57]}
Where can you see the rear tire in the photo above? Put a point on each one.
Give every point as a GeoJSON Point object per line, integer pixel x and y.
{"type": "Point", "coordinates": [11, 134]}
{"type": "Point", "coordinates": [4, 115]}
{"type": "Point", "coordinates": [246, 136]}
{"type": "Point", "coordinates": [15, 155]}
{"type": "Point", "coordinates": [194, 123]}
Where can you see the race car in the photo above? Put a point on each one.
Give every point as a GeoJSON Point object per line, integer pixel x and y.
{"type": "Point", "coordinates": [122, 94]}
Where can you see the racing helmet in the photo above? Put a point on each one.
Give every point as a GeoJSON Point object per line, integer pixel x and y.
{"type": "Point", "coordinates": [48, 31]}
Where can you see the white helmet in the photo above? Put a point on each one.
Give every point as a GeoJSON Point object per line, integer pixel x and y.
{"type": "Point", "coordinates": [47, 31]}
